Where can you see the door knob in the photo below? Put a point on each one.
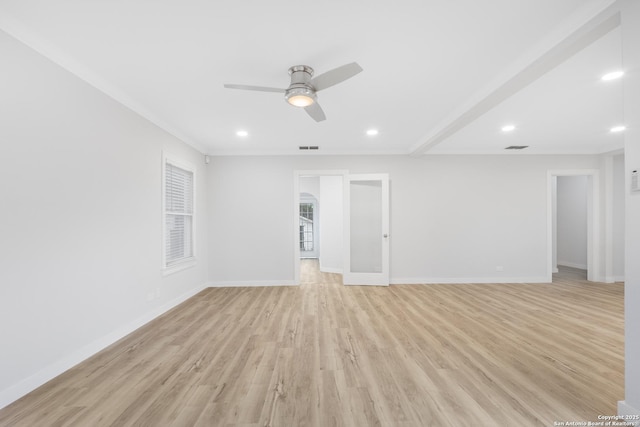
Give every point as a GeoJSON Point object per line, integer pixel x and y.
{"type": "Point", "coordinates": [385, 235]}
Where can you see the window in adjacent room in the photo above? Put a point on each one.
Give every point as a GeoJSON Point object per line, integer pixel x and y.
{"type": "Point", "coordinates": [306, 227]}
{"type": "Point", "coordinates": [178, 206]}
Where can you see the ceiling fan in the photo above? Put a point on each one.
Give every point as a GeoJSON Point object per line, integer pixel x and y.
{"type": "Point", "coordinates": [303, 88]}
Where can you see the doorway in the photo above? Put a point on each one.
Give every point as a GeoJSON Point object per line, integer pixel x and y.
{"type": "Point", "coordinates": [354, 212]}
{"type": "Point", "coordinates": [571, 226]}
{"type": "Point", "coordinates": [571, 220]}
{"type": "Point", "coordinates": [582, 241]}
{"type": "Point", "coordinates": [323, 190]}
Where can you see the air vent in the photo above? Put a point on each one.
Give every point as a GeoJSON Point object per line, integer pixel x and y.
{"type": "Point", "coordinates": [516, 147]}
{"type": "Point", "coordinates": [308, 147]}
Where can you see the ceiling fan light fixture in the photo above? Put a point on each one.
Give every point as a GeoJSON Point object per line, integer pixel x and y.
{"type": "Point", "coordinates": [300, 100]}
{"type": "Point", "coordinates": [300, 96]}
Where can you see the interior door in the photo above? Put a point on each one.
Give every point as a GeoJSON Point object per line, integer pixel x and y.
{"type": "Point", "coordinates": [366, 224]}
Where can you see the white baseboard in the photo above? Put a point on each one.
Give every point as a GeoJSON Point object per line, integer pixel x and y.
{"type": "Point", "coordinates": [626, 409]}
{"type": "Point", "coordinates": [249, 283]}
{"type": "Point", "coordinates": [555, 270]}
{"type": "Point", "coordinates": [573, 265]}
{"type": "Point", "coordinates": [610, 279]}
{"type": "Point", "coordinates": [27, 385]}
{"type": "Point", "coordinates": [330, 270]}
{"type": "Point", "coordinates": [465, 280]}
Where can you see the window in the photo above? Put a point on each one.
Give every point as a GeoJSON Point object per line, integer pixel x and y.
{"type": "Point", "coordinates": [178, 215]}
{"type": "Point", "coordinates": [306, 226]}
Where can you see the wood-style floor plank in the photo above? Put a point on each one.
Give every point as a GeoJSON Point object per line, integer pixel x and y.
{"type": "Point", "coordinates": [323, 354]}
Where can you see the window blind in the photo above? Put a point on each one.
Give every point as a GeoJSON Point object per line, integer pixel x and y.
{"type": "Point", "coordinates": [178, 214]}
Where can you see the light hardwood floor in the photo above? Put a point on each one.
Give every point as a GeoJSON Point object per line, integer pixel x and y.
{"type": "Point", "coordinates": [323, 354]}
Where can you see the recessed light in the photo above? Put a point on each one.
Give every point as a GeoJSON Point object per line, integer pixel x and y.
{"type": "Point", "coordinates": [242, 133]}
{"type": "Point", "coordinates": [372, 132]}
{"type": "Point", "coordinates": [613, 75]}
{"type": "Point", "coordinates": [617, 129]}
{"type": "Point", "coordinates": [508, 128]}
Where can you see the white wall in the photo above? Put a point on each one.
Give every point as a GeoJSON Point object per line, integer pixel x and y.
{"type": "Point", "coordinates": [631, 64]}
{"type": "Point", "coordinates": [81, 220]}
{"type": "Point", "coordinates": [571, 206]}
{"type": "Point", "coordinates": [618, 217]}
{"type": "Point", "coordinates": [331, 239]}
{"type": "Point", "coordinates": [310, 185]}
{"type": "Point", "coordinates": [231, 220]}
{"type": "Point", "coordinates": [554, 224]}
{"type": "Point", "coordinates": [453, 218]}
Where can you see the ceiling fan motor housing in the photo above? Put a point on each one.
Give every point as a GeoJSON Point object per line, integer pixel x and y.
{"type": "Point", "coordinates": [300, 87]}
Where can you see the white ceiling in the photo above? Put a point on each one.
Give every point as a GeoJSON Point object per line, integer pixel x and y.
{"type": "Point", "coordinates": [434, 77]}
{"type": "Point", "coordinates": [568, 110]}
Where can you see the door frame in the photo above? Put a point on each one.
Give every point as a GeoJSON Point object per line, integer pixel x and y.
{"type": "Point", "coordinates": [593, 220]}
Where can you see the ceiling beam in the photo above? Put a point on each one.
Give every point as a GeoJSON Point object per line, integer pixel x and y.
{"type": "Point", "coordinates": [594, 28]}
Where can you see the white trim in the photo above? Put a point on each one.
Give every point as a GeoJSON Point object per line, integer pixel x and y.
{"type": "Point", "coordinates": [465, 280]}
{"type": "Point", "coordinates": [362, 151]}
{"type": "Point", "coordinates": [330, 270]}
{"type": "Point", "coordinates": [249, 283]}
{"type": "Point", "coordinates": [608, 218]}
{"type": "Point", "coordinates": [34, 381]}
{"type": "Point", "coordinates": [190, 261]}
{"type": "Point", "coordinates": [182, 265]}
{"type": "Point", "coordinates": [626, 409]}
{"type": "Point", "coordinates": [443, 150]}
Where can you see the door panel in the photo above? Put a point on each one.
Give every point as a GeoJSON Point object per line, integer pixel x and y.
{"type": "Point", "coordinates": [367, 238]}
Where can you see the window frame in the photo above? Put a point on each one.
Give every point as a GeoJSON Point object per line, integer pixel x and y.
{"type": "Point", "coordinates": [187, 262]}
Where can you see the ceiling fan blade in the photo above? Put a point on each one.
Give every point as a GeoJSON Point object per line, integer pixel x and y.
{"type": "Point", "coordinates": [258, 88]}
{"type": "Point", "coordinates": [335, 76]}
{"type": "Point", "coordinates": [315, 111]}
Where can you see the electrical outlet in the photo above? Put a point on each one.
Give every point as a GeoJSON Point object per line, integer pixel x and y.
{"type": "Point", "coordinates": [499, 268]}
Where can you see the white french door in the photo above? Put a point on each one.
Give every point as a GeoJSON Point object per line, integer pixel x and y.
{"type": "Point", "coordinates": [366, 226]}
